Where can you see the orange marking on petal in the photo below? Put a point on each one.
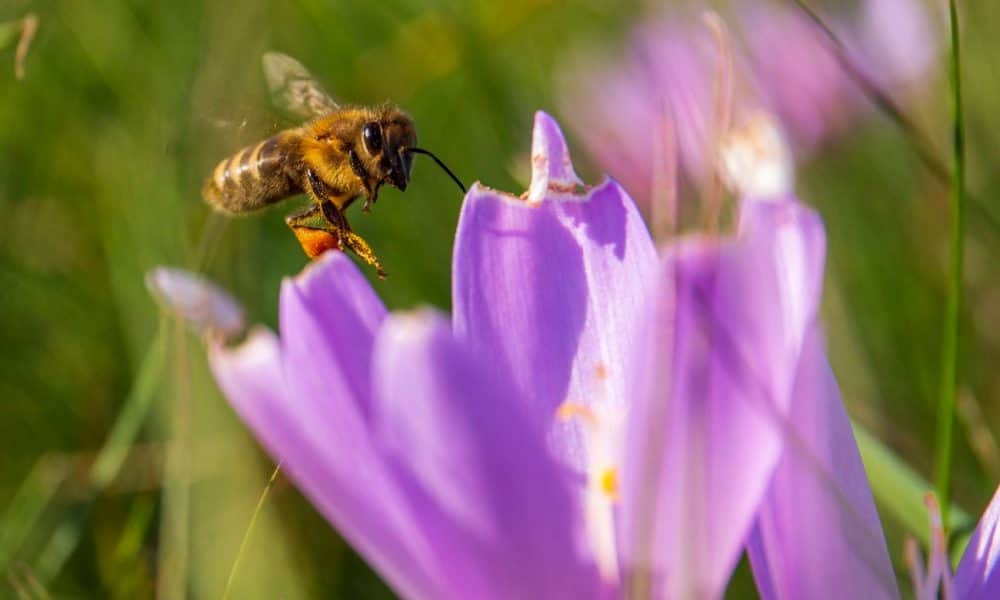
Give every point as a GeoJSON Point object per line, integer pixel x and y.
{"type": "Point", "coordinates": [601, 371]}
{"type": "Point", "coordinates": [608, 482]}
{"type": "Point", "coordinates": [573, 410]}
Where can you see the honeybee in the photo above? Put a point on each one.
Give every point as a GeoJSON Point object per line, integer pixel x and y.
{"type": "Point", "coordinates": [339, 155]}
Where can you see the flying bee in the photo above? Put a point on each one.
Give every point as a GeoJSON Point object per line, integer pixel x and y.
{"type": "Point", "coordinates": [341, 154]}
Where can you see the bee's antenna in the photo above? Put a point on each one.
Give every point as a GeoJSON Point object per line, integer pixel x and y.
{"type": "Point", "coordinates": [440, 164]}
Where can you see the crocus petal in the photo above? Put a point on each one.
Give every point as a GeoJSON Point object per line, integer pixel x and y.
{"type": "Point", "coordinates": [251, 378]}
{"type": "Point", "coordinates": [713, 375]}
{"type": "Point", "coordinates": [549, 294]}
{"type": "Point", "coordinates": [308, 403]}
{"type": "Point", "coordinates": [495, 505]}
{"type": "Point", "coordinates": [329, 315]}
{"type": "Point", "coordinates": [817, 529]}
{"type": "Point", "coordinates": [978, 574]}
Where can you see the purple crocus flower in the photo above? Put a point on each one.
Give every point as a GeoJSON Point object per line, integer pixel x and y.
{"type": "Point", "coordinates": [594, 420]}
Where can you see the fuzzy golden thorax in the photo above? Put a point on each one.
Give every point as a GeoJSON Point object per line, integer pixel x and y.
{"type": "Point", "coordinates": [354, 150]}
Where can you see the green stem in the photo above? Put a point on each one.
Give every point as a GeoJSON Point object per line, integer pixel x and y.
{"type": "Point", "coordinates": [246, 535]}
{"type": "Point", "coordinates": [949, 355]}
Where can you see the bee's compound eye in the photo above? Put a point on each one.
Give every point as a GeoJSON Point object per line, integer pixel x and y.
{"type": "Point", "coordinates": [372, 137]}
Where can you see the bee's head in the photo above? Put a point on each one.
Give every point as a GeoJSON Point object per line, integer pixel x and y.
{"type": "Point", "coordinates": [390, 141]}
{"type": "Point", "coordinates": [387, 140]}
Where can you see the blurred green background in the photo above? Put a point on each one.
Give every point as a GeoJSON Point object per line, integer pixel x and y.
{"type": "Point", "coordinates": [127, 105]}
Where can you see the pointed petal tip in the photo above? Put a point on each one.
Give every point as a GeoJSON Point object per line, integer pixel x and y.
{"type": "Point", "coordinates": [204, 306]}
{"type": "Point", "coordinates": [551, 165]}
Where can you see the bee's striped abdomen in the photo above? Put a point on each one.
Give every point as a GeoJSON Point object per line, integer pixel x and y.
{"type": "Point", "coordinates": [252, 178]}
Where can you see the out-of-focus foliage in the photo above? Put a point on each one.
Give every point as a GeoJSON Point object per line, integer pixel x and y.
{"type": "Point", "coordinates": [126, 106]}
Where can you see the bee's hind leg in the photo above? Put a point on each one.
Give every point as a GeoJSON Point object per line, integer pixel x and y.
{"type": "Point", "coordinates": [315, 235]}
{"type": "Point", "coordinates": [334, 225]}
{"type": "Point", "coordinates": [350, 240]}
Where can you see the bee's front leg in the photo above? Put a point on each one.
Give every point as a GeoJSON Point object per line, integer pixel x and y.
{"type": "Point", "coordinates": [370, 198]}
{"type": "Point", "coordinates": [371, 186]}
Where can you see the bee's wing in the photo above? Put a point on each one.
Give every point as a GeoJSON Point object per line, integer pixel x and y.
{"type": "Point", "coordinates": [293, 89]}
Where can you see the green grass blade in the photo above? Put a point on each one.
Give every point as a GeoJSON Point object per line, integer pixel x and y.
{"type": "Point", "coordinates": [29, 503]}
{"type": "Point", "coordinates": [109, 460]}
{"type": "Point", "coordinates": [899, 489]}
{"type": "Point", "coordinates": [949, 354]}
{"type": "Point", "coordinates": [246, 536]}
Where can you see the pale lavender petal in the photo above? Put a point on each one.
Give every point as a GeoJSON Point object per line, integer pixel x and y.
{"type": "Point", "coordinates": [307, 402]}
{"type": "Point", "coordinates": [496, 507]}
{"type": "Point", "coordinates": [803, 81]}
{"type": "Point", "coordinates": [550, 294]}
{"type": "Point", "coordinates": [206, 307]}
{"type": "Point", "coordinates": [896, 41]}
{"type": "Point", "coordinates": [622, 127]}
{"type": "Point", "coordinates": [712, 376]}
{"type": "Point", "coordinates": [978, 574]}
{"type": "Point", "coordinates": [817, 529]}
{"type": "Point", "coordinates": [651, 109]}
{"type": "Point", "coordinates": [679, 59]}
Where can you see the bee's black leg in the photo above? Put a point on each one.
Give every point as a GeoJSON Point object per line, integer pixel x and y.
{"type": "Point", "coordinates": [350, 240]}
{"type": "Point", "coordinates": [371, 188]}
{"type": "Point", "coordinates": [338, 223]}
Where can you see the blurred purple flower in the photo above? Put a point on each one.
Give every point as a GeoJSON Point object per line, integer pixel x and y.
{"type": "Point", "coordinates": [594, 421]}
{"type": "Point", "coordinates": [204, 306]}
{"type": "Point", "coordinates": [658, 104]}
